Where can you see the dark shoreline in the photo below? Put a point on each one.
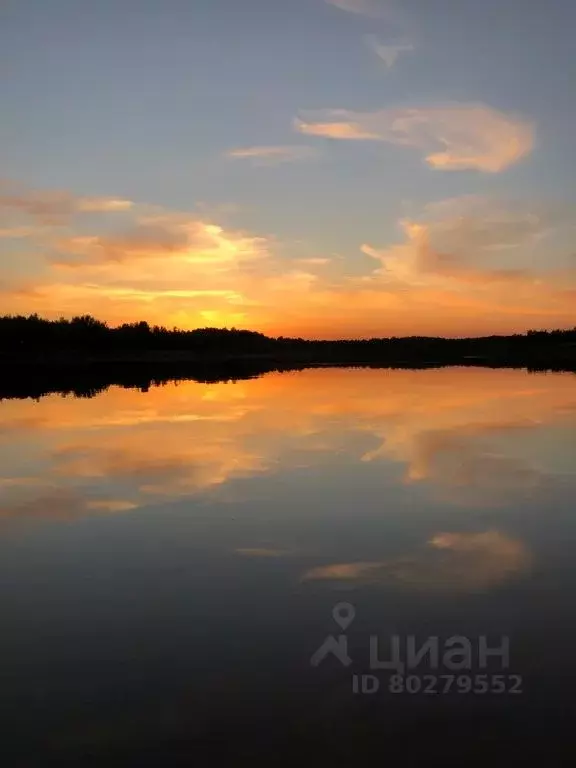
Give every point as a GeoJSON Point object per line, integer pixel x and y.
{"type": "Point", "coordinates": [84, 356]}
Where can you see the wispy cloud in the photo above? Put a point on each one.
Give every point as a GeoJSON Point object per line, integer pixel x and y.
{"type": "Point", "coordinates": [459, 239]}
{"type": "Point", "coordinates": [102, 204]}
{"type": "Point", "coordinates": [466, 136]}
{"type": "Point", "coordinates": [388, 52]}
{"type": "Point", "coordinates": [374, 9]}
{"type": "Point", "coordinates": [54, 207]}
{"type": "Point", "coordinates": [190, 240]}
{"type": "Point", "coordinates": [337, 124]}
{"type": "Point", "coordinates": [359, 571]}
{"type": "Point", "coordinates": [457, 562]}
{"type": "Point", "coordinates": [15, 233]}
{"type": "Point", "coordinates": [313, 262]}
{"type": "Point", "coordinates": [111, 505]}
{"type": "Point", "coordinates": [272, 155]}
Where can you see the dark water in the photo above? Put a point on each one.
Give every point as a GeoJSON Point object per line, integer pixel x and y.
{"type": "Point", "coordinates": [171, 561]}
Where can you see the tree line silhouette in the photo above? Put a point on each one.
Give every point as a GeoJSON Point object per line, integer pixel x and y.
{"type": "Point", "coordinates": [34, 337]}
{"type": "Point", "coordinates": [84, 355]}
{"type": "Point", "coordinates": [21, 335]}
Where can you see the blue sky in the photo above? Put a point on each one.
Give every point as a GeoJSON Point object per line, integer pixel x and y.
{"type": "Point", "coordinates": [224, 110]}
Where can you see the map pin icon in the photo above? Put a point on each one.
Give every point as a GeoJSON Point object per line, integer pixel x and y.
{"type": "Point", "coordinates": [343, 614]}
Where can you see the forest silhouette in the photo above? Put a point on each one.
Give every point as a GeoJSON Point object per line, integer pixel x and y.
{"type": "Point", "coordinates": [84, 355]}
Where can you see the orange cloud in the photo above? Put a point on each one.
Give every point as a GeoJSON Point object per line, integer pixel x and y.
{"type": "Point", "coordinates": [456, 562]}
{"type": "Point", "coordinates": [272, 155]}
{"type": "Point", "coordinates": [336, 129]}
{"type": "Point", "coordinates": [54, 207]}
{"type": "Point", "coordinates": [464, 254]}
{"type": "Point", "coordinates": [144, 242]}
{"type": "Point", "coordinates": [418, 259]}
{"type": "Point", "coordinates": [190, 240]}
{"type": "Point", "coordinates": [17, 232]}
{"type": "Point", "coordinates": [453, 137]}
{"type": "Point", "coordinates": [344, 572]}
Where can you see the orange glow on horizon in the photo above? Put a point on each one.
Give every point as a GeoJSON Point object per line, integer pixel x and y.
{"type": "Point", "coordinates": [451, 273]}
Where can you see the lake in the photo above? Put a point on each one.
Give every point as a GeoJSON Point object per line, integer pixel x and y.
{"type": "Point", "coordinates": [267, 569]}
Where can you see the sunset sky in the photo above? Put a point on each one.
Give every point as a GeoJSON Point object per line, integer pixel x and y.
{"type": "Point", "coordinates": [319, 168]}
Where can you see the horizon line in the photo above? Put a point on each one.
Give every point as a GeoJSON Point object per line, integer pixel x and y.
{"type": "Point", "coordinates": [162, 328]}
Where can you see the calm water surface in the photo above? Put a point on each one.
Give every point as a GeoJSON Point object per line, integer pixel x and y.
{"type": "Point", "coordinates": [170, 562]}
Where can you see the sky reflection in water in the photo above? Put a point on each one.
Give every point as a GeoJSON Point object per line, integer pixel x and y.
{"type": "Point", "coordinates": [203, 532]}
